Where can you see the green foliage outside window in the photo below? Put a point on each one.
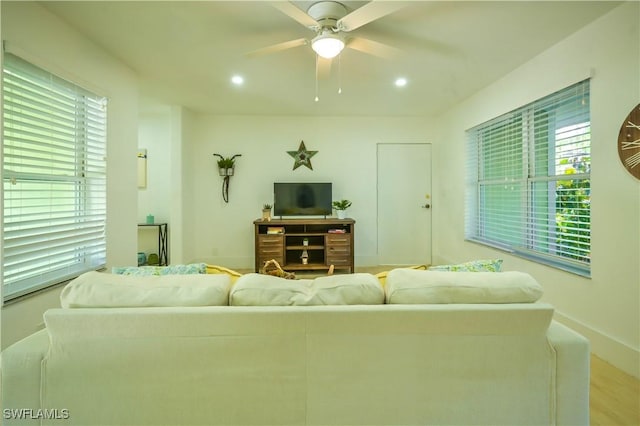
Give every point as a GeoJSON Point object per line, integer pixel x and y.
{"type": "Point", "coordinates": [573, 218]}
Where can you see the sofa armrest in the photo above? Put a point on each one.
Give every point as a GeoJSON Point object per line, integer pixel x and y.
{"type": "Point", "coordinates": [572, 374]}
{"type": "Point", "coordinates": [21, 377]}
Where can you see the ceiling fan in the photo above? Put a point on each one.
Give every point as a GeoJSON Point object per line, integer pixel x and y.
{"type": "Point", "coordinates": [332, 23]}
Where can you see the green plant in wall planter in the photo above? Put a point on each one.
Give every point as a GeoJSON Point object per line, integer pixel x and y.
{"type": "Point", "coordinates": [226, 165]}
{"type": "Point", "coordinates": [340, 207]}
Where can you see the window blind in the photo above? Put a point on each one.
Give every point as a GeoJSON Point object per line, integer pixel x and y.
{"type": "Point", "coordinates": [528, 180]}
{"type": "Point", "coordinates": [54, 179]}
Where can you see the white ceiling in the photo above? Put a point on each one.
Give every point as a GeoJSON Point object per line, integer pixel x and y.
{"type": "Point", "coordinates": [186, 52]}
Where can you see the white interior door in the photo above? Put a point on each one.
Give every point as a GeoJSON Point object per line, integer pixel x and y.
{"type": "Point", "coordinates": [404, 204]}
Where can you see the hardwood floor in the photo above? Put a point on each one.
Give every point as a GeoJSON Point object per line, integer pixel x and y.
{"type": "Point", "coordinates": [615, 396]}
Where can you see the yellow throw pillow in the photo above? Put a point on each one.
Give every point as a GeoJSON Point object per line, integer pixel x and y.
{"type": "Point", "coordinates": [215, 269]}
{"type": "Point", "coordinates": [382, 276]}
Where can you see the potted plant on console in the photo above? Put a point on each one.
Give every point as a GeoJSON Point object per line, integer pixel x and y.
{"type": "Point", "coordinates": [341, 206]}
{"type": "Point", "coordinates": [266, 212]}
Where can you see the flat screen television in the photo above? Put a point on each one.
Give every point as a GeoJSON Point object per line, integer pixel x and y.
{"type": "Point", "coordinates": [302, 199]}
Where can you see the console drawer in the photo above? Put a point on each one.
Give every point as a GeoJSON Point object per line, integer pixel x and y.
{"type": "Point", "coordinates": [338, 260]}
{"type": "Point", "coordinates": [334, 250]}
{"type": "Point", "coordinates": [270, 241]}
{"type": "Point", "coordinates": [338, 240]}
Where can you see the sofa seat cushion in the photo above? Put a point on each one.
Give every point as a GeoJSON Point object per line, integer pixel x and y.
{"type": "Point", "coordinates": [266, 290]}
{"type": "Point", "coordinates": [103, 290]}
{"type": "Point", "coordinates": [413, 286]}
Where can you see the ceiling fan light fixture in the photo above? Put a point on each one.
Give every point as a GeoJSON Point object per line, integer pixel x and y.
{"type": "Point", "coordinates": [401, 82]}
{"type": "Point", "coordinates": [327, 45]}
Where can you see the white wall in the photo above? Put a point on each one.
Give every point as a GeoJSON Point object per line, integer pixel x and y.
{"type": "Point", "coordinates": [221, 233]}
{"type": "Point", "coordinates": [606, 307]}
{"type": "Point", "coordinates": [39, 37]}
{"type": "Point", "coordinates": [163, 132]}
{"type": "Point", "coordinates": [154, 135]}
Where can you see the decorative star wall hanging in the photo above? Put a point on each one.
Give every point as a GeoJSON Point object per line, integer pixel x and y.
{"type": "Point", "coordinates": [302, 156]}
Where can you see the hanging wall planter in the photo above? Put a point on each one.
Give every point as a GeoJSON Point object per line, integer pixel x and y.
{"type": "Point", "coordinates": [226, 167]}
{"type": "Point", "coordinates": [226, 171]}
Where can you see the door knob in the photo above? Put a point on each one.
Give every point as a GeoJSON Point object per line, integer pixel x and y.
{"type": "Point", "coordinates": [426, 206]}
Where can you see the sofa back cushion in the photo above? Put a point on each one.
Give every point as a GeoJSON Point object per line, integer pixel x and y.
{"type": "Point", "coordinates": [267, 290]}
{"type": "Point", "coordinates": [373, 364]}
{"type": "Point", "coordinates": [103, 290]}
{"type": "Point", "coordinates": [412, 286]}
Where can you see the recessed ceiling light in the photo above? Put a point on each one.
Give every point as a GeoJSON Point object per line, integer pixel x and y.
{"type": "Point", "coordinates": [401, 82]}
{"type": "Point", "coordinates": [237, 80]}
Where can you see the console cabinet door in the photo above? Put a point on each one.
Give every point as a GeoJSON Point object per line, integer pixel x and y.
{"type": "Point", "coordinates": [269, 247]}
{"type": "Point", "coordinates": [338, 249]}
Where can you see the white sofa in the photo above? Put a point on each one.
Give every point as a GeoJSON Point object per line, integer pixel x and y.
{"type": "Point", "coordinates": [338, 364]}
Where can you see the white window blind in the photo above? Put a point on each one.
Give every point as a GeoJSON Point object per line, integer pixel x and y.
{"type": "Point", "coordinates": [528, 181]}
{"type": "Point", "coordinates": [54, 179]}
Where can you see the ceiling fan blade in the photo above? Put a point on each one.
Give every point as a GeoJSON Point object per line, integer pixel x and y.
{"type": "Point", "coordinates": [367, 13]}
{"type": "Point", "coordinates": [324, 67]}
{"type": "Point", "coordinates": [277, 47]}
{"type": "Point", "coordinates": [298, 15]}
{"type": "Point", "coordinates": [372, 47]}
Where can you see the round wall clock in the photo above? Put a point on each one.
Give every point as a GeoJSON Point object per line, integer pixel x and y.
{"type": "Point", "coordinates": [629, 142]}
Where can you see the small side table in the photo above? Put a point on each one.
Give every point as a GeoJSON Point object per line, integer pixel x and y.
{"type": "Point", "coordinates": [163, 258]}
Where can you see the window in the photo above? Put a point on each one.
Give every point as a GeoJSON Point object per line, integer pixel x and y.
{"type": "Point", "coordinates": [528, 182]}
{"type": "Point", "coordinates": [54, 179]}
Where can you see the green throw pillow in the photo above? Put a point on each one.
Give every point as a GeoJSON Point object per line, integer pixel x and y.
{"type": "Point", "coordinates": [484, 265]}
{"type": "Point", "coordinates": [193, 268]}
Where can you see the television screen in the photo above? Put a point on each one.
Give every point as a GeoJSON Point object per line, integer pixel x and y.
{"type": "Point", "coordinates": [301, 199]}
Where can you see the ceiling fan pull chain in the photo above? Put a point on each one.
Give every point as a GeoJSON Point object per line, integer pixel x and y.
{"type": "Point", "coordinates": [317, 99]}
{"type": "Point", "coordinates": [339, 74]}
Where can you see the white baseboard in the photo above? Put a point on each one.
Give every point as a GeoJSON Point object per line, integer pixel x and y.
{"type": "Point", "coordinates": [227, 262]}
{"type": "Point", "coordinates": [366, 261]}
{"type": "Point", "coordinates": [605, 347]}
